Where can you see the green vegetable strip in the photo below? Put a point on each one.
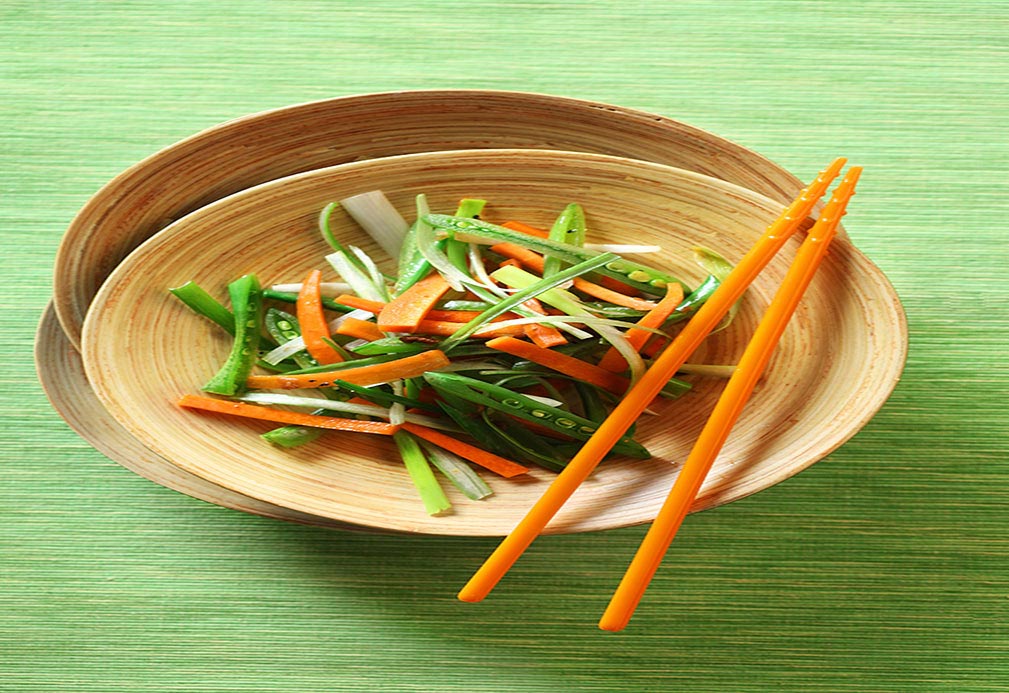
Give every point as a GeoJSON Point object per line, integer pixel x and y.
{"type": "Point", "coordinates": [383, 398]}
{"type": "Point", "coordinates": [283, 327]}
{"type": "Point", "coordinates": [638, 276]}
{"type": "Point", "coordinates": [466, 415]}
{"type": "Point", "coordinates": [356, 363]}
{"type": "Point", "coordinates": [470, 208]}
{"type": "Point", "coordinates": [462, 476]}
{"type": "Point", "coordinates": [527, 444]}
{"type": "Point", "coordinates": [327, 232]}
{"type": "Point", "coordinates": [457, 251]}
{"type": "Point", "coordinates": [463, 305]}
{"type": "Point", "coordinates": [565, 230]}
{"type": "Point", "coordinates": [289, 297]}
{"type": "Point", "coordinates": [520, 406]}
{"type": "Point", "coordinates": [391, 345]}
{"type": "Point", "coordinates": [246, 302]}
{"type": "Point", "coordinates": [431, 493]}
{"type": "Point", "coordinates": [592, 404]}
{"type": "Point", "coordinates": [204, 304]}
{"type": "Point", "coordinates": [521, 297]}
{"type": "Point", "coordinates": [293, 436]}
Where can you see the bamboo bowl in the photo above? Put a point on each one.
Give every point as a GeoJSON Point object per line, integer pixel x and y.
{"type": "Point", "coordinates": [837, 362]}
{"type": "Point", "coordinates": [261, 147]}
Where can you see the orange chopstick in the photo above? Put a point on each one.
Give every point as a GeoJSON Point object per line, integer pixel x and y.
{"type": "Point", "coordinates": [726, 412]}
{"type": "Point", "coordinates": [638, 398]}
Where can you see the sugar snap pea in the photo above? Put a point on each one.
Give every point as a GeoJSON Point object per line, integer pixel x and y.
{"type": "Point", "coordinates": [528, 409]}
{"type": "Point", "coordinates": [246, 302]}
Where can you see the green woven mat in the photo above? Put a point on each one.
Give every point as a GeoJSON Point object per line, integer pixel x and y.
{"type": "Point", "coordinates": [883, 568]}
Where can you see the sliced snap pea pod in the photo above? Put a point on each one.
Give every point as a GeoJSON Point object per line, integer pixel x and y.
{"type": "Point", "coordinates": [592, 403]}
{"type": "Point", "coordinates": [290, 297]}
{"type": "Point", "coordinates": [466, 415]}
{"type": "Point", "coordinates": [528, 409]}
{"type": "Point", "coordinates": [193, 295]}
{"type": "Point", "coordinates": [293, 436]}
{"type": "Point", "coordinates": [391, 345]}
{"type": "Point", "coordinates": [610, 310]}
{"type": "Point", "coordinates": [381, 397]}
{"type": "Point", "coordinates": [638, 276]}
{"type": "Point", "coordinates": [529, 446]}
{"type": "Point", "coordinates": [355, 363]}
{"type": "Point", "coordinates": [246, 302]}
{"type": "Point", "coordinates": [570, 229]}
{"type": "Point", "coordinates": [283, 327]}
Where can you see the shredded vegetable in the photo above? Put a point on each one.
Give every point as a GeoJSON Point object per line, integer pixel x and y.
{"type": "Point", "coordinates": [493, 345]}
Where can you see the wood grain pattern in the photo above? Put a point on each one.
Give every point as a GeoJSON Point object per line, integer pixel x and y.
{"type": "Point", "coordinates": [883, 568]}
{"type": "Point", "coordinates": [834, 368]}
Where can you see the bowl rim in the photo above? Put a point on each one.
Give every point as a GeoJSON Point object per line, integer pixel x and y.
{"type": "Point", "coordinates": [882, 391]}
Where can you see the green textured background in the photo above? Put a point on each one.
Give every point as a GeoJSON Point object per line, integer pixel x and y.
{"type": "Point", "coordinates": [883, 568]}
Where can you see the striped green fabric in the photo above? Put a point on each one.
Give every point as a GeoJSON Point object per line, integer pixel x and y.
{"type": "Point", "coordinates": [883, 568]}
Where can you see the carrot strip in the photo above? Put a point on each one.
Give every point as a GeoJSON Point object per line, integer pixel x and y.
{"type": "Point", "coordinates": [526, 229]}
{"type": "Point", "coordinates": [545, 336]}
{"type": "Point", "coordinates": [612, 360]}
{"type": "Point", "coordinates": [631, 406]}
{"type": "Point", "coordinates": [603, 294]}
{"type": "Point", "coordinates": [487, 460]}
{"type": "Point", "coordinates": [562, 363]}
{"type": "Point", "coordinates": [405, 312]}
{"type": "Point", "coordinates": [361, 303]}
{"type": "Point", "coordinates": [360, 329]}
{"type": "Point", "coordinates": [311, 319]}
{"type": "Point", "coordinates": [407, 367]}
{"type": "Point", "coordinates": [534, 261]}
{"type": "Point", "coordinates": [254, 411]}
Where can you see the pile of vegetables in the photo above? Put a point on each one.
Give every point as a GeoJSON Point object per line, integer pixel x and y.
{"type": "Point", "coordinates": [498, 346]}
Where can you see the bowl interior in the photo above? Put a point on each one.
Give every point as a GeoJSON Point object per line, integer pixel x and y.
{"type": "Point", "coordinates": [836, 364]}
{"type": "Point", "coordinates": [252, 150]}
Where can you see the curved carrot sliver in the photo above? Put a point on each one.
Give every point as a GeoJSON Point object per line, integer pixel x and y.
{"type": "Point", "coordinates": [612, 360]}
{"type": "Point", "coordinates": [254, 411]}
{"type": "Point", "coordinates": [361, 303]}
{"type": "Point", "coordinates": [404, 312]}
{"type": "Point", "coordinates": [359, 329]}
{"type": "Point", "coordinates": [526, 229]}
{"type": "Point", "coordinates": [487, 460]}
{"type": "Point", "coordinates": [562, 363]}
{"type": "Point", "coordinates": [408, 367]}
{"type": "Point", "coordinates": [312, 321]}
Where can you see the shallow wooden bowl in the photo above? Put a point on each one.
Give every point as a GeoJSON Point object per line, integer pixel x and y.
{"type": "Point", "coordinates": [251, 150]}
{"type": "Point", "coordinates": [836, 365]}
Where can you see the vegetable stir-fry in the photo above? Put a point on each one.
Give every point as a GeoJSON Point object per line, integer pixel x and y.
{"type": "Point", "coordinates": [494, 346]}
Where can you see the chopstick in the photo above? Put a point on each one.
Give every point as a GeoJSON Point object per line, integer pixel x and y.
{"type": "Point", "coordinates": [638, 398]}
{"type": "Point", "coordinates": [728, 409]}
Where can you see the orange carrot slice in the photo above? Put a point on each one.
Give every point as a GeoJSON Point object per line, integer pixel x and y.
{"type": "Point", "coordinates": [254, 411]}
{"type": "Point", "coordinates": [654, 318]}
{"type": "Point", "coordinates": [361, 303]}
{"type": "Point", "coordinates": [545, 336]}
{"type": "Point", "coordinates": [487, 460]}
{"type": "Point", "coordinates": [562, 363]}
{"type": "Point", "coordinates": [407, 367]}
{"type": "Point", "coordinates": [311, 319]}
{"type": "Point", "coordinates": [526, 229]}
{"type": "Point", "coordinates": [405, 312]}
{"type": "Point", "coordinates": [360, 329]}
